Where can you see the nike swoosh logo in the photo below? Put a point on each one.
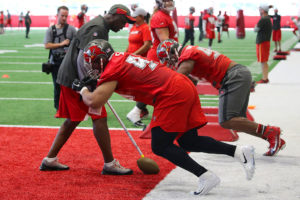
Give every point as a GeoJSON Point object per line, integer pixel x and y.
{"type": "Point", "coordinates": [245, 159]}
{"type": "Point", "coordinates": [197, 193]}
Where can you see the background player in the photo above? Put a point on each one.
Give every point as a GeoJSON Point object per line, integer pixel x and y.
{"type": "Point", "coordinates": [276, 34]}
{"type": "Point", "coordinates": [233, 82]}
{"type": "Point", "coordinates": [209, 24]}
{"type": "Point", "coordinates": [189, 27]}
{"type": "Point", "coordinates": [264, 32]}
{"type": "Point", "coordinates": [177, 110]}
{"type": "Point", "coordinates": [162, 27]}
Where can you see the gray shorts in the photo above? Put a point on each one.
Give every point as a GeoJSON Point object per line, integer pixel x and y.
{"type": "Point", "coordinates": [234, 93]}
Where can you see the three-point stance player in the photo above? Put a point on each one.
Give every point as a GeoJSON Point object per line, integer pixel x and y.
{"type": "Point", "coordinates": [233, 82]}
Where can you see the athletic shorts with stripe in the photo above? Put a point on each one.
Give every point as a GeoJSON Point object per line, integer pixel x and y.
{"type": "Point", "coordinates": [72, 107]}
{"type": "Point", "coordinates": [263, 51]}
{"type": "Point", "coordinates": [234, 93]}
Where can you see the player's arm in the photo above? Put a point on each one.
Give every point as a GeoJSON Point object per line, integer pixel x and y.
{"type": "Point", "coordinates": [162, 33]}
{"type": "Point", "coordinates": [186, 67]}
{"type": "Point", "coordinates": [100, 96]}
{"type": "Point", "coordinates": [51, 45]}
{"type": "Point", "coordinates": [143, 49]}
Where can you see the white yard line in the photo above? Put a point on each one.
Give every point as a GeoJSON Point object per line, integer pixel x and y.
{"type": "Point", "coordinates": [23, 71]}
{"type": "Point", "coordinates": [24, 82]}
{"type": "Point", "coordinates": [20, 63]}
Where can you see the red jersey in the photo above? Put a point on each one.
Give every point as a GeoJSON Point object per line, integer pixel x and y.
{"type": "Point", "coordinates": [188, 21]}
{"type": "Point", "coordinates": [137, 36]}
{"type": "Point", "coordinates": [81, 19]}
{"type": "Point", "coordinates": [138, 78]}
{"type": "Point", "coordinates": [173, 95]}
{"type": "Point", "coordinates": [209, 64]}
{"type": "Point", "coordinates": [161, 20]}
{"type": "Point", "coordinates": [1, 18]}
{"type": "Point", "coordinates": [210, 22]}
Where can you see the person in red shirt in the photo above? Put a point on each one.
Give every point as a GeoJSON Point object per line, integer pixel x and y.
{"type": "Point", "coordinates": [162, 27]}
{"type": "Point", "coordinates": [177, 110]}
{"type": "Point", "coordinates": [209, 24]}
{"type": "Point", "coordinates": [139, 36]}
{"type": "Point", "coordinates": [225, 25]}
{"type": "Point", "coordinates": [189, 27]}
{"type": "Point", "coordinates": [233, 82]}
{"type": "Point", "coordinates": [1, 22]}
{"type": "Point", "coordinates": [82, 15]}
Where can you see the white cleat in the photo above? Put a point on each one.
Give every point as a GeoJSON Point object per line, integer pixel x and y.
{"type": "Point", "coordinates": [207, 182]}
{"type": "Point", "coordinates": [246, 157]}
{"type": "Point", "coordinates": [135, 118]}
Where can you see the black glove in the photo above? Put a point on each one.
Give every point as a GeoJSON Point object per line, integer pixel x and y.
{"type": "Point", "coordinates": [90, 82]}
{"type": "Point", "coordinates": [77, 85]}
{"type": "Point", "coordinates": [87, 81]}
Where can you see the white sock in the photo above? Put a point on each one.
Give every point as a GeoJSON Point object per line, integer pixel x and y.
{"type": "Point", "coordinates": [237, 154]}
{"type": "Point", "coordinates": [109, 164]}
{"type": "Point", "coordinates": [51, 159]}
{"type": "Point", "coordinates": [136, 110]}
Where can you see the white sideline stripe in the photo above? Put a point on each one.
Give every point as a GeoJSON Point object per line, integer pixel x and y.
{"type": "Point", "coordinates": [52, 127]}
{"type": "Point", "coordinates": [49, 99]}
{"type": "Point", "coordinates": [21, 63]}
{"type": "Point", "coordinates": [22, 82]}
{"type": "Point", "coordinates": [31, 71]}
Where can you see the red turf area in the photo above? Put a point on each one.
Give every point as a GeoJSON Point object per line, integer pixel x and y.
{"type": "Point", "coordinates": [22, 149]}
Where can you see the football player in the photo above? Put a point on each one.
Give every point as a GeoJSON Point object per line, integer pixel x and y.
{"type": "Point", "coordinates": [162, 27]}
{"type": "Point", "coordinates": [233, 82]}
{"type": "Point", "coordinates": [177, 111]}
{"type": "Point", "coordinates": [209, 24]}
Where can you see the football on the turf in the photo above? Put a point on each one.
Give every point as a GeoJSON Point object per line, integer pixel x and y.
{"type": "Point", "coordinates": [148, 166]}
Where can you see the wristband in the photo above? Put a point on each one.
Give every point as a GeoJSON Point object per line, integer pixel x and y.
{"type": "Point", "coordinates": [81, 91]}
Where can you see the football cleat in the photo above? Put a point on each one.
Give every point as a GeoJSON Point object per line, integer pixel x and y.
{"type": "Point", "coordinates": [246, 157]}
{"type": "Point", "coordinates": [114, 168]}
{"type": "Point", "coordinates": [282, 144]}
{"type": "Point", "coordinates": [207, 182]}
{"type": "Point", "coordinates": [52, 164]}
{"type": "Point", "coordinates": [272, 135]}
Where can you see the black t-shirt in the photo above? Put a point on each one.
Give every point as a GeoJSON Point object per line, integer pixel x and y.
{"type": "Point", "coordinates": [97, 28]}
{"type": "Point", "coordinates": [265, 30]}
{"type": "Point", "coordinates": [276, 21]}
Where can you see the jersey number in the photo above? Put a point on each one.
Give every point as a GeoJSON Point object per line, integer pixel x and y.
{"type": "Point", "coordinates": [140, 62]}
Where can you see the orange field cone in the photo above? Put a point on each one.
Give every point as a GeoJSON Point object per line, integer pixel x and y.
{"type": "Point", "coordinates": [251, 107]}
{"type": "Point", "coordinates": [5, 76]}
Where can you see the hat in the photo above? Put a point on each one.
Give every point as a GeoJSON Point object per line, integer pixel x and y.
{"type": "Point", "coordinates": [265, 7]}
{"type": "Point", "coordinates": [122, 10]}
{"type": "Point", "coordinates": [138, 12]}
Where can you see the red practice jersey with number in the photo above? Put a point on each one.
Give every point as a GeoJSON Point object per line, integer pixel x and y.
{"type": "Point", "coordinates": [209, 64]}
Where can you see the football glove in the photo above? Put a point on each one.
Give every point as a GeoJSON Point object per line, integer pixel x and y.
{"type": "Point", "coordinates": [87, 81]}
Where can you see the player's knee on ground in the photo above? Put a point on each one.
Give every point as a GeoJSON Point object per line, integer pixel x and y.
{"type": "Point", "coordinates": [161, 140]}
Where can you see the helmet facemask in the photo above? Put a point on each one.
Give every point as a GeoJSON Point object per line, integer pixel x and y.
{"type": "Point", "coordinates": [96, 55]}
{"type": "Point", "coordinates": [168, 53]}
